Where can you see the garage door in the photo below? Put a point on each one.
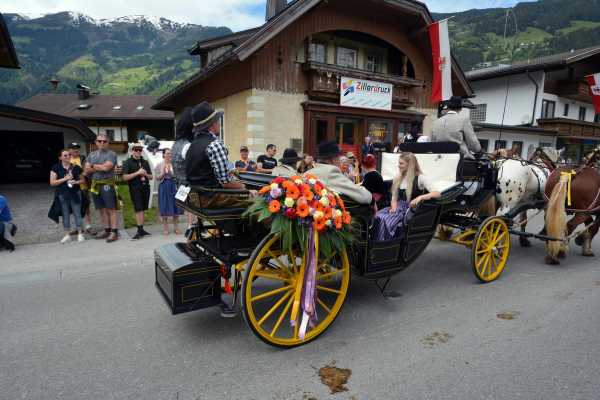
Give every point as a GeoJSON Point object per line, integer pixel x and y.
{"type": "Point", "coordinates": [28, 156]}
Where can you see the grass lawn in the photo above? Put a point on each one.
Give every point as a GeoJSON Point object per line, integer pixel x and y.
{"type": "Point", "coordinates": [129, 214]}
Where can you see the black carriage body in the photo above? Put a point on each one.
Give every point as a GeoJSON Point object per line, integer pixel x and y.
{"type": "Point", "coordinates": [187, 280]}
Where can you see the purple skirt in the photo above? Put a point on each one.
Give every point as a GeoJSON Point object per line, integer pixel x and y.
{"type": "Point", "coordinates": [387, 222]}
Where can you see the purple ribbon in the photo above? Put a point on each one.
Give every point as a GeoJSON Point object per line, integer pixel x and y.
{"type": "Point", "coordinates": [307, 299]}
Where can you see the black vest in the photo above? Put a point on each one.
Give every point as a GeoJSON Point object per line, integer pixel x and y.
{"type": "Point", "coordinates": [197, 164]}
{"type": "Point", "coordinates": [415, 191]}
{"type": "Point", "coordinates": [179, 161]}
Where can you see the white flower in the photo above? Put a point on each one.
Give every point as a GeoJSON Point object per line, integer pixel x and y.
{"type": "Point", "coordinates": [298, 182]}
{"type": "Point", "coordinates": [318, 215]}
{"type": "Point", "coordinates": [289, 202]}
{"type": "Point", "coordinates": [312, 181]}
{"type": "Point", "coordinates": [328, 222]}
{"type": "Point", "coordinates": [274, 186]}
{"type": "Point", "coordinates": [324, 192]}
{"type": "Point", "coordinates": [338, 213]}
{"type": "Point", "coordinates": [324, 201]}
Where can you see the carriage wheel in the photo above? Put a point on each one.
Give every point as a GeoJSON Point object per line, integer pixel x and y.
{"type": "Point", "coordinates": [270, 287]}
{"type": "Point", "coordinates": [491, 247]}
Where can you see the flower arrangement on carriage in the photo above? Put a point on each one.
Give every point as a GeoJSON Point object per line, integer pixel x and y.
{"type": "Point", "coordinates": [307, 217]}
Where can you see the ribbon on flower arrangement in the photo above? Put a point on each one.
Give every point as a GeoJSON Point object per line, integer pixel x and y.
{"type": "Point", "coordinates": [309, 292]}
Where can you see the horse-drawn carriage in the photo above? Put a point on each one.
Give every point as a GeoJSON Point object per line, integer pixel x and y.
{"type": "Point", "coordinates": [228, 245]}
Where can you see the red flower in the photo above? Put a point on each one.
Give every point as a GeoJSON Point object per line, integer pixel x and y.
{"type": "Point", "coordinates": [338, 223]}
{"type": "Point", "coordinates": [290, 213]}
{"type": "Point", "coordinates": [279, 180]}
{"type": "Point", "coordinates": [346, 217]}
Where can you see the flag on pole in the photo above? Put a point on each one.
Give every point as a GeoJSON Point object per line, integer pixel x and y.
{"type": "Point", "coordinates": [594, 81]}
{"type": "Point", "coordinates": [442, 61]}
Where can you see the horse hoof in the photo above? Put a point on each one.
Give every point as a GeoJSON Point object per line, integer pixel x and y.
{"type": "Point", "coordinates": [590, 254]}
{"type": "Point", "coordinates": [552, 260]}
{"type": "Point", "coordinates": [579, 240]}
{"type": "Point", "coordinates": [561, 254]}
{"type": "Point", "coordinates": [524, 242]}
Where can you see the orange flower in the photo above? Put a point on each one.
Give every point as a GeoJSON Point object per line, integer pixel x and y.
{"type": "Point", "coordinates": [320, 207]}
{"type": "Point", "coordinates": [265, 189]}
{"type": "Point", "coordinates": [341, 203]}
{"type": "Point", "coordinates": [318, 187]}
{"type": "Point", "coordinates": [332, 201]}
{"type": "Point", "coordinates": [346, 217]}
{"type": "Point", "coordinates": [274, 206]}
{"type": "Point", "coordinates": [328, 213]}
{"type": "Point", "coordinates": [320, 224]}
{"type": "Point", "coordinates": [293, 191]}
{"type": "Point", "coordinates": [309, 195]}
{"type": "Point", "coordinates": [338, 223]}
{"type": "Point", "coordinates": [310, 176]}
{"type": "Point", "coordinates": [302, 209]}
{"type": "Point", "coordinates": [295, 178]}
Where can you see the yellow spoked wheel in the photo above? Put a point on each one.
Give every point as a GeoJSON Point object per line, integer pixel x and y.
{"type": "Point", "coordinates": [491, 247]}
{"type": "Point", "coordinates": [273, 283]}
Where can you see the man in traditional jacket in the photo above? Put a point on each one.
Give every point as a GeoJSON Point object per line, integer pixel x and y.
{"type": "Point", "coordinates": [328, 171]}
{"type": "Point", "coordinates": [457, 128]}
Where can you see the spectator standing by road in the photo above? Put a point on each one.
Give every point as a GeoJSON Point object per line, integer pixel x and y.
{"type": "Point", "coordinates": [78, 159]}
{"type": "Point", "coordinates": [307, 163]}
{"type": "Point", "coordinates": [100, 166]}
{"type": "Point", "coordinates": [245, 164]}
{"type": "Point", "coordinates": [367, 147]}
{"type": "Point", "coordinates": [137, 174]}
{"type": "Point", "coordinates": [66, 178]}
{"type": "Point", "coordinates": [266, 162]}
{"type": "Point", "coordinates": [167, 188]}
{"type": "Point", "coordinates": [7, 228]}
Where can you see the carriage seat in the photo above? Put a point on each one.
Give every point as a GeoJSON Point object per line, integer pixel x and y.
{"type": "Point", "coordinates": [194, 203]}
{"type": "Point", "coordinates": [440, 161]}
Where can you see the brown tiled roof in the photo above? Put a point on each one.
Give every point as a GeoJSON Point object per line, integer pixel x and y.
{"type": "Point", "coordinates": [253, 39]}
{"type": "Point", "coordinates": [554, 61]}
{"type": "Point", "coordinates": [100, 106]}
{"type": "Point", "coordinates": [8, 55]}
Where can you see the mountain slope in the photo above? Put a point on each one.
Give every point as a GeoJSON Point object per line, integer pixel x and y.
{"type": "Point", "coordinates": [544, 27]}
{"type": "Point", "coordinates": [126, 55]}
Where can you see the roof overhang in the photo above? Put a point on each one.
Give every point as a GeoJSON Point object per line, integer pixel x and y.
{"type": "Point", "coordinates": [26, 114]}
{"type": "Point", "coordinates": [481, 126]}
{"type": "Point", "coordinates": [8, 55]}
{"type": "Point", "coordinates": [276, 25]}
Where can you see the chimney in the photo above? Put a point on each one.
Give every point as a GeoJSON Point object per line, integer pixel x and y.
{"type": "Point", "coordinates": [83, 92]}
{"type": "Point", "coordinates": [274, 7]}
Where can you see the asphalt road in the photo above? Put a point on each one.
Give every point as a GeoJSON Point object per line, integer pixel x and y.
{"type": "Point", "coordinates": [84, 321]}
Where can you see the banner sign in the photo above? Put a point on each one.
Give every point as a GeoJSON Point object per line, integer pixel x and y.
{"type": "Point", "coordinates": [441, 88]}
{"type": "Point", "coordinates": [594, 82]}
{"type": "Point", "coordinates": [361, 93]}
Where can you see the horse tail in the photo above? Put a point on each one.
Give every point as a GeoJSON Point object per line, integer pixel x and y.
{"type": "Point", "coordinates": [556, 216]}
{"type": "Point", "coordinates": [489, 207]}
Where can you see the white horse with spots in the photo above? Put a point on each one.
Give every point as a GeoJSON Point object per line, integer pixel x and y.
{"type": "Point", "coordinates": [521, 182]}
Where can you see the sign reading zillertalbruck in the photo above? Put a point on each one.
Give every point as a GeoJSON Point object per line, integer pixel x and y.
{"type": "Point", "coordinates": [361, 93]}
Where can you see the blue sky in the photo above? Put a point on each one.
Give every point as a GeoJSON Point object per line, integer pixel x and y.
{"type": "Point", "coordinates": [236, 14]}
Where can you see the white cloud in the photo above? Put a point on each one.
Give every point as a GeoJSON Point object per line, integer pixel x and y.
{"type": "Point", "coordinates": [235, 14]}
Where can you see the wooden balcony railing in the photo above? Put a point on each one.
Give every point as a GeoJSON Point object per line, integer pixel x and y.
{"type": "Point", "coordinates": [571, 127]}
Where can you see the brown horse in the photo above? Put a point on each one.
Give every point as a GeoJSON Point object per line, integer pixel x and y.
{"type": "Point", "coordinates": [574, 191]}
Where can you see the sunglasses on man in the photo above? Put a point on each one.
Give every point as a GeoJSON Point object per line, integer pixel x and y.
{"type": "Point", "coordinates": [101, 141]}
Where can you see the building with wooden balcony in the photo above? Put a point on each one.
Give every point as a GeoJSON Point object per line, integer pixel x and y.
{"type": "Point", "coordinates": [538, 102]}
{"type": "Point", "coordinates": [319, 70]}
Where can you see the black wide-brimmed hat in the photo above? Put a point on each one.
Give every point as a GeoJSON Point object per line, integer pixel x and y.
{"type": "Point", "coordinates": [328, 150]}
{"type": "Point", "coordinates": [289, 156]}
{"type": "Point", "coordinates": [455, 102]}
{"type": "Point", "coordinates": [204, 115]}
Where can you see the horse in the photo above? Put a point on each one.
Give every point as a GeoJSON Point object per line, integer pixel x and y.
{"type": "Point", "coordinates": [580, 190]}
{"type": "Point", "coordinates": [523, 181]}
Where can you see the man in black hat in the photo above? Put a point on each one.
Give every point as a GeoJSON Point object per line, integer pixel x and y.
{"type": "Point", "coordinates": [457, 128]}
{"type": "Point", "coordinates": [288, 164]}
{"type": "Point", "coordinates": [207, 162]}
{"type": "Point", "coordinates": [328, 171]}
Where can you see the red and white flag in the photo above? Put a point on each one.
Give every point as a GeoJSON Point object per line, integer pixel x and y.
{"type": "Point", "coordinates": [594, 81]}
{"type": "Point", "coordinates": [442, 61]}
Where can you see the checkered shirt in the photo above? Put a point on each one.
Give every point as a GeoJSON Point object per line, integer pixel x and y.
{"type": "Point", "coordinates": [217, 154]}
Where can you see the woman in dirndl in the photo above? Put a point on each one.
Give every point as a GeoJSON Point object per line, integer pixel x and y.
{"type": "Point", "coordinates": [410, 187]}
{"type": "Point", "coordinates": [167, 188]}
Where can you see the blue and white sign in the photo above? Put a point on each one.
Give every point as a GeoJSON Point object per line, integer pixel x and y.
{"type": "Point", "coordinates": [361, 93]}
